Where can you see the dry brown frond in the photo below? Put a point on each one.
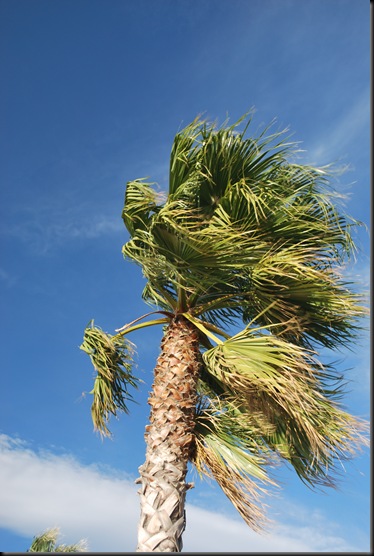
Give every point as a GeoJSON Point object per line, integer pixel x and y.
{"type": "Point", "coordinates": [242, 491]}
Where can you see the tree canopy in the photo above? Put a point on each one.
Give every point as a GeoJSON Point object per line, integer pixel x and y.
{"type": "Point", "coordinates": [245, 238]}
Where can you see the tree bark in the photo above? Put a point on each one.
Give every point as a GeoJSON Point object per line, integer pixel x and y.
{"type": "Point", "coordinates": [169, 439]}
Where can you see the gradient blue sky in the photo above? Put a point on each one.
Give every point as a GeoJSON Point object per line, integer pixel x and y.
{"type": "Point", "coordinates": [93, 92]}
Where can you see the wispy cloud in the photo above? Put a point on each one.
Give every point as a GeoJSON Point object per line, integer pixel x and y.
{"type": "Point", "coordinates": [44, 228]}
{"type": "Point", "coordinates": [42, 489]}
{"type": "Point", "coordinates": [343, 133]}
{"type": "Point", "coordinates": [358, 272]}
{"type": "Point", "coordinates": [7, 279]}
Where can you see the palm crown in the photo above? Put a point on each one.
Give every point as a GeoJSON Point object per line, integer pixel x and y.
{"type": "Point", "coordinates": [245, 237]}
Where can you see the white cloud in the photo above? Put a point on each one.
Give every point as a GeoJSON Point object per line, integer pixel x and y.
{"type": "Point", "coordinates": [42, 490]}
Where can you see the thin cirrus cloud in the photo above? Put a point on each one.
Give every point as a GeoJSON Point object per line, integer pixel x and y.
{"type": "Point", "coordinates": [43, 489]}
{"type": "Point", "coordinates": [44, 229]}
{"type": "Point", "coordinates": [345, 131]}
{"type": "Point", "coordinates": [6, 279]}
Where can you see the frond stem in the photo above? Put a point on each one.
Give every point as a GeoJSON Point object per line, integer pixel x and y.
{"type": "Point", "coordinates": [143, 325]}
{"type": "Point", "coordinates": [170, 315]}
{"type": "Point", "coordinates": [204, 327]}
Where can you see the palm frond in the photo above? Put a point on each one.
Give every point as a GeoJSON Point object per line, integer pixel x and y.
{"type": "Point", "coordinates": [112, 358]}
{"type": "Point", "coordinates": [286, 385]}
{"type": "Point", "coordinates": [226, 449]}
{"type": "Point", "coordinates": [242, 224]}
{"type": "Point", "coordinates": [322, 307]}
{"type": "Point", "coordinates": [47, 542]}
{"type": "Point", "coordinates": [140, 205]}
{"type": "Point", "coordinates": [183, 155]}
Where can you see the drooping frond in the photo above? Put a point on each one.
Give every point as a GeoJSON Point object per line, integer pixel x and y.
{"type": "Point", "coordinates": [111, 357]}
{"type": "Point", "coordinates": [286, 386]}
{"type": "Point", "coordinates": [227, 449]}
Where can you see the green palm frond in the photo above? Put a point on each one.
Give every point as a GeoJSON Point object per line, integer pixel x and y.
{"type": "Point", "coordinates": [242, 225]}
{"type": "Point", "coordinates": [213, 157]}
{"type": "Point", "coordinates": [47, 542]}
{"type": "Point", "coordinates": [183, 156]}
{"type": "Point", "coordinates": [318, 466]}
{"type": "Point", "coordinates": [284, 383]}
{"type": "Point", "coordinates": [318, 301]}
{"type": "Point", "coordinates": [112, 358]}
{"type": "Point", "coordinates": [140, 205]}
{"type": "Point", "coordinates": [226, 449]}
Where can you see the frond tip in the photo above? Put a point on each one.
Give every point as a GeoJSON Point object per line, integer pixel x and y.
{"type": "Point", "coordinates": [112, 359]}
{"type": "Point", "coordinates": [46, 542]}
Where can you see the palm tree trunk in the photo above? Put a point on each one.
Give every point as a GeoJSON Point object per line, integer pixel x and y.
{"type": "Point", "coordinates": [169, 438]}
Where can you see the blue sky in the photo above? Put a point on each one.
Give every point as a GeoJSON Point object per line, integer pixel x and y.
{"type": "Point", "coordinates": [93, 93]}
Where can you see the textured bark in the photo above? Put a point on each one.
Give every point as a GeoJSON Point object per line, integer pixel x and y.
{"type": "Point", "coordinates": [169, 438]}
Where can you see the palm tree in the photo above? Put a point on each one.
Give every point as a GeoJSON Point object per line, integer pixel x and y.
{"type": "Point", "coordinates": [247, 237]}
{"type": "Point", "coordinates": [47, 542]}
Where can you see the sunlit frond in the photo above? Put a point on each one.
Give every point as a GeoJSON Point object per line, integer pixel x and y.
{"type": "Point", "coordinates": [182, 157]}
{"type": "Point", "coordinates": [244, 224]}
{"type": "Point", "coordinates": [46, 542]}
{"type": "Point", "coordinates": [140, 204]}
{"type": "Point", "coordinates": [285, 384]}
{"type": "Point", "coordinates": [226, 449]}
{"type": "Point", "coordinates": [111, 357]}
